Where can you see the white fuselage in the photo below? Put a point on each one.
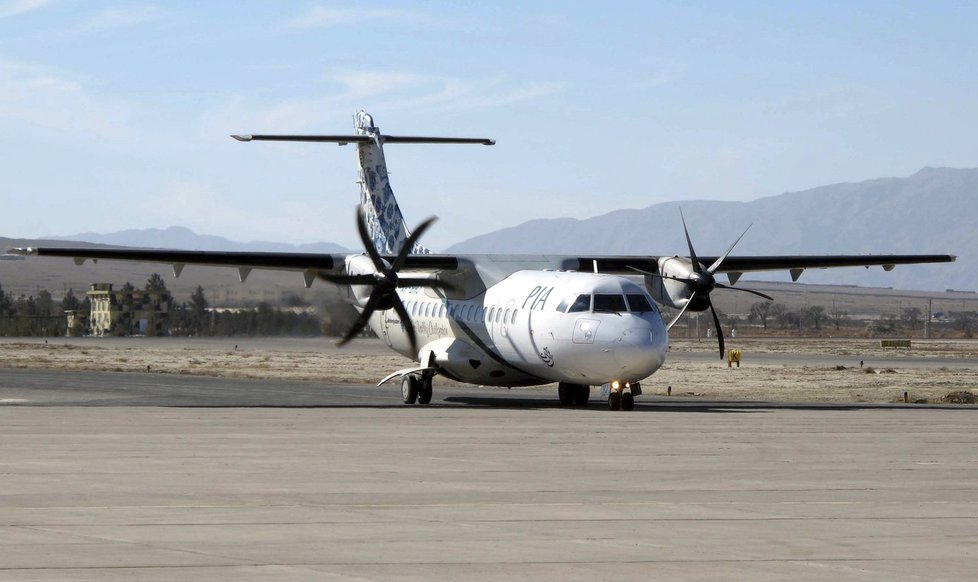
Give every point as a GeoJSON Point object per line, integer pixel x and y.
{"type": "Point", "coordinates": [525, 330]}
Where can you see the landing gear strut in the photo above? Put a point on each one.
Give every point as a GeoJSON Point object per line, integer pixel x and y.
{"type": "Point", "coordinates": [573, 394]}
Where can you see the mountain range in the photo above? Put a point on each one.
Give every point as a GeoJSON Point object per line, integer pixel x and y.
{"type": "Point", "coordinates": [179, 237]}
{"type": "Point", "coordinates": [932, 211]}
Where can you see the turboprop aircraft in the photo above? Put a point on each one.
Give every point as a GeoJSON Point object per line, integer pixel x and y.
{"type": "Point", "coordinates": [578, 321]}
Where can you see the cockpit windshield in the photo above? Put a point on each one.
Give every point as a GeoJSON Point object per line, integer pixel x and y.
{"type": "Point", "coordinates": [582, 303]}
{"type": "Point", "coordinates": [607, 303]}
{"type": "Point", "coordinates": [638, 303]}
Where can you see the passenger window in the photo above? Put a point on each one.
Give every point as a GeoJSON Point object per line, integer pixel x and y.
{"type": "Point", "coordinates": [607, 303]}
{"type": "Point", "coordinates": [492, 311]}
{"type": "Point", "coordinates": [582, 303]}
{"type": "Point", "coordinates": [441, 311]}
{"type": "Point", "coordinates": [427, 309]}
{"type": "Point", "coordinates": [513, 318]}
{"type": "Point", "coordinates": [498, 313]}
{"type": "Point", "coordinates": [506, 315]}
{"type": "Point", "coordinates": [638, 303]}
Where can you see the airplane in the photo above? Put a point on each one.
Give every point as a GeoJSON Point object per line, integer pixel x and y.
{"type": "Point", "coordinates": [499, 320]}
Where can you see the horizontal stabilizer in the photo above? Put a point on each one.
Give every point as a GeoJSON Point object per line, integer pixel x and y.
{"type": "Point", "coordinates": [345, 139]}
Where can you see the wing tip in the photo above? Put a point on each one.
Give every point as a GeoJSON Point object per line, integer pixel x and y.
{"type": "Point", "coordinates": [22, 251]}
{"type": "Point", "coordinates": [242, 137]}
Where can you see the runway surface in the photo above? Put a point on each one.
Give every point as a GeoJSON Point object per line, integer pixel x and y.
{"type": "Point", "coordinates": [159, 477]}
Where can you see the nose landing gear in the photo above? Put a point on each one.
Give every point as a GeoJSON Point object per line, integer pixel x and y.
{"type": "Point", "coordinates": [622, 395]}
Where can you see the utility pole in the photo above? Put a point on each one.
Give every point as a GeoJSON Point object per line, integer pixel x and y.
{"type": "Point", "coordinates": [930, 310]}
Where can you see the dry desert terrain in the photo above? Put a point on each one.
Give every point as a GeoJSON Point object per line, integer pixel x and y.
{"type": "Point", "coordinates": [794, 370]}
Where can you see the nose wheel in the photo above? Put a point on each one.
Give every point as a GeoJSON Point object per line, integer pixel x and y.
{"type": "Point", "coordinates": [623, 397]}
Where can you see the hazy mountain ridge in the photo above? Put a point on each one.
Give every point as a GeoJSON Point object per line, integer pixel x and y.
{"type": "Point", "coordinates": [179, 237]}
{"type": "Point", "coordinates": [885, 215]}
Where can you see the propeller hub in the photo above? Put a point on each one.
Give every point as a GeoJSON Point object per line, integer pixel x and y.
{"type": "Point", "coordinates": [702, 282]}
{"type": "Point", "coordinates": [387, 279]}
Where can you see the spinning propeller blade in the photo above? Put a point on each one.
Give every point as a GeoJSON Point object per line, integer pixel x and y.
{"type": "Point", "coordinates": [702, 281]}
{"type": "Point", "coordinates": [385, 281]}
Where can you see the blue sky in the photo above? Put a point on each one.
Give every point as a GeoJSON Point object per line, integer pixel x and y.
{"type": "Point", "coordinates": [115, 115]}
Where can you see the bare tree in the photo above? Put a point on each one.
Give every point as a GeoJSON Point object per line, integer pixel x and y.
{"type": "Point", "coordinates": [838, 317]}
{"type": "Point", "coordinates": [912, 315]}
{"type": "Point", "coordinates": [759, 312]}
{"type": "Point", "coordinates": [814, 315]}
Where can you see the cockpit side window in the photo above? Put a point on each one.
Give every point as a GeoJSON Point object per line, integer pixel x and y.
{"type": "Point", "coordinates": [608, 303]}
{"type": "Point", "coordinates": [582, 303]}
{"type": "Point", "coordinates": [563, 305]}
{"type": "Point", "coordinates": [638, 303]}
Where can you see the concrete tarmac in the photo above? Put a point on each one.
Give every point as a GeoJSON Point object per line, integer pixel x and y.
{"type": "Point", "coordinates": [160, 477]}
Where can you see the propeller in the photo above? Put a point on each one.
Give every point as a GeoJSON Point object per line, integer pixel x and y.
{"type": "Point", "coordinates": [385, 281]}
{"type": "Point", "coordinates": [702, 281]}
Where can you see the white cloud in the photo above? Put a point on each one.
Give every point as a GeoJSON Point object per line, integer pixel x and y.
{"type": "Point", "coordinates": [50, 99]}
{"type": "Point", "coordinates": [122, 17]}
{"type": "Point", "coordinates": [369, 84]}
{"type": "Point", "coordinates": [386, 91]}
{"type": "Point", "coordinates": [323, 16]}
{"type": "Point", "coordinates": [16, 7]}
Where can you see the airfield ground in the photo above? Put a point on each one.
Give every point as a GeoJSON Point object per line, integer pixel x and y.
{"type": "Point", "coordinates": [194, 472]}
{"type": "Point", "coordinates": [776, 369]}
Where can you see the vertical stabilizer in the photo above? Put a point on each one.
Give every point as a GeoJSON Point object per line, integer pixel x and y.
{"type": "Point", "coordinates": [385, 223]}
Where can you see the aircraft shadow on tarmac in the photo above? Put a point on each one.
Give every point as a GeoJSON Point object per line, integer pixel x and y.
{"type": "Point", "coordinates": [686, 405]}
{"type": "Point", "coordinates": [668, 404]}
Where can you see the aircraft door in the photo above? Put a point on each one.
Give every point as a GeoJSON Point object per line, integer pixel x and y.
{"type": "Point", "coordinates": [507, 315]}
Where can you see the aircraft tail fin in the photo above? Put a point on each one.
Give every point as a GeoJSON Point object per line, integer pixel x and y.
{"type": "Point", "coordinates": [385, 223]}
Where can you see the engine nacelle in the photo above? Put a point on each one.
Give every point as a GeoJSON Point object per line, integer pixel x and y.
{"type": "Point", "coordinates": [360, 265]}
{"type": "Point", "coordinates": [673, 293]}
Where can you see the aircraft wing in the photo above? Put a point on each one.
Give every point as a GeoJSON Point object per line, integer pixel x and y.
{"type": "Point", "coordinates": [735, 266]}
{"type": "Point", "coordinates": [310, 264]}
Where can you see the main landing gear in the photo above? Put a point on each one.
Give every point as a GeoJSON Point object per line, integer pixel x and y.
{"type": "Point", "coordinates": [622, 395]}
{"type": "Point", "coordinates": [573, 394]}
{"type": "Point", "coordinates": [416, 389]}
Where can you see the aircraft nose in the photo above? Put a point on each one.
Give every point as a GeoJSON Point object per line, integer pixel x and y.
{"type": "Point", "coordinates": [635, 351]}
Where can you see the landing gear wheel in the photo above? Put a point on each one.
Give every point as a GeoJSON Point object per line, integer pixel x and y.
{"type": "Point", "coordinates": [424, 392]}
{"type": "Point", "coordinates": [409, 388]}
{"type": "Point", "coordinates": [582, 393]}
{"type": "Point", "coordinates": [627, 401]}
{"type": "Point", "coordinates": [614, 401]}
{"type": "Point", "coordinates": [565, 392]}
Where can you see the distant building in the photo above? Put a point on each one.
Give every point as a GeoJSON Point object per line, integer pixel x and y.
{"type": "Point", "coordinates": [127, 311]}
